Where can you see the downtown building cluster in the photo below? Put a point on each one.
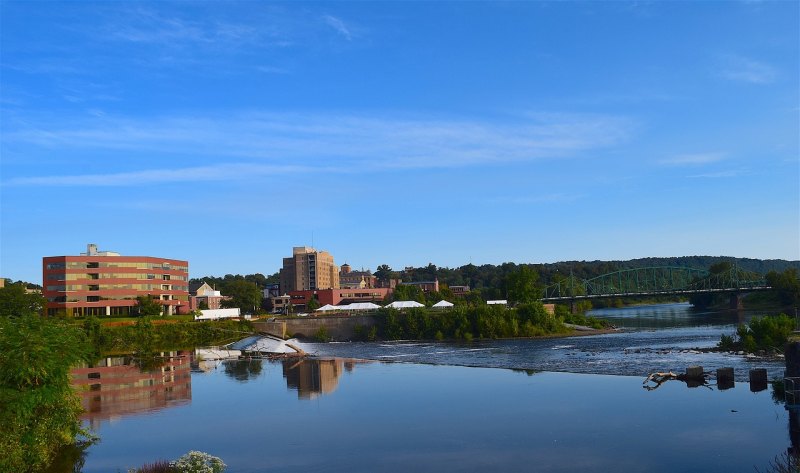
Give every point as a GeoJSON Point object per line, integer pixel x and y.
{"type": "Point", "coordinates": [106, 283]}
{"type": "Point", "coordinates": [311, 274]}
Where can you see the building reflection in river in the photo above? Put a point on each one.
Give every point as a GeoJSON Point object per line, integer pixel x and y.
{"type": "Point", "coordinates": [312, 378]}
{"type": "Point", "coordinates": [119, 386]}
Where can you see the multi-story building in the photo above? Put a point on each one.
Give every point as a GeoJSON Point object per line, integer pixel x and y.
{"type": "Point", "coordinates": [300, 299]}
{"type": "Point", "coordinates": [107, 283]}
{"type": "Point", "coordinates": [349, 279]}
{"type": "Point", "coordinates": [308, 269]}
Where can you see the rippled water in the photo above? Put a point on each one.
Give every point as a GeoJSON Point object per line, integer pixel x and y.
{"type": "Point", "coordinates": [651, 338]}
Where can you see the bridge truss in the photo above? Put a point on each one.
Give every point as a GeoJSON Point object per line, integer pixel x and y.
{"type": "Point", "coordinates": [654, 281]}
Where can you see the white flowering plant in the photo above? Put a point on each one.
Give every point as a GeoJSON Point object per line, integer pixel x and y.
{"type": "Point", "coordinates": [198, 462]}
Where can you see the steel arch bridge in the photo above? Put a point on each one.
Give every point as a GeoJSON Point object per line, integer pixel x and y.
{"type": "Point", "coordinates": [654, 281]}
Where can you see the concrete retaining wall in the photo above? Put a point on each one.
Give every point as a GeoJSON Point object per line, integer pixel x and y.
{"type": "Point", "coordinates": [339, 327]}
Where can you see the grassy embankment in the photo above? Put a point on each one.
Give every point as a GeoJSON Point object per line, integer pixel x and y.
{"type": "Point", "coordinates": [148, 334]}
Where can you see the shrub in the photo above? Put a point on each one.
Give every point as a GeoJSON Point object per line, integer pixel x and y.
{"type": "Point", "coordinates": [726, 342]}
{"type": "Point", "coordinates": [322, 335]}
{"type": "Point", "coordinates": [39, 410]}
{"type": "Point", "coordinates": [198, 462]}
{"type": "Point", "coordinates": [764, 333]}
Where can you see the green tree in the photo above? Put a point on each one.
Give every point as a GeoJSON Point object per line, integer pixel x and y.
{"type": "Point", "coordinates": [720, 268]}
{"type": "Point", "coordinates": [523, 286]}
{"type": "Point", "coordinates": [765, 333]}
{"type": "Point", "coordinates": [384, 273]}
{"type": "Point", "coordinates": [786, 286]}
{"type": "Point", "coordinates": [258, 279]}
{"type": "Point", "coordinates": [147, 306]}
{"type": "Point", "coordinates": [313, 304]}
{"type": "Point", "coordinates": [39, 410]}
{"type": "Point", "coordinates": [242, 294]}
{"type": "Point", "coordinates": [16, 301]}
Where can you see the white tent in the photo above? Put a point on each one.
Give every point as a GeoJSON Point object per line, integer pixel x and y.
{"type": "Point", "coordinates": [405, 305]}
{"type": "Point", "coordinates": [442, 305]}
{"type": "Point", "coordinates": [328, 307]}
{"type": "Point", "coordinates": [360, 306]}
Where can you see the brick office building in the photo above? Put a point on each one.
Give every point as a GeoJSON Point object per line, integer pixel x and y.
{"type": "Point", "coordinates": [107, 283]}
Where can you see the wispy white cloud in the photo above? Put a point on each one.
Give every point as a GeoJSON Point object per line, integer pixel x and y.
{"type": "Point", "coordinates": [366, 143]}
{"type": "Point", "coordinates": [178, 30]}
{"type": "Point", "coordinates": [742, 69]}
{"type": "Point", "coordinates": [694, 159]}
{"type": "Point", "coordinates": [43, 66]}
{"type": "Point", "coordinates": [538, 199]}
{"type": "Point", "coordinates": [720, 174]}
{"type": "Point", "coordinates": [272, 70]}
{"type": "Point", "coordinates": [148, 26]}
{"type": "Point", "coordinates": [222, 172]}
{"type": "Point", "coordinates": [339, 26]}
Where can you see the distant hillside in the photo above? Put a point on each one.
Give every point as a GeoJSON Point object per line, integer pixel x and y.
{"type": "Point", "coordinates": [748, 264]}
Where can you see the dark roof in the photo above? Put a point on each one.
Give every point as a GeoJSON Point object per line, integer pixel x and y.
{"type": "Point", "coordinates": [194, 286]}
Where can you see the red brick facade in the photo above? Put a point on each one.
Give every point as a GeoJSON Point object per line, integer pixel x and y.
{"type": "Point", "coordinates": [109, 285]}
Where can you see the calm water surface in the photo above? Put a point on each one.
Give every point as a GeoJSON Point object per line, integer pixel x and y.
{"type": "Point", "coordinates": [341, 414]}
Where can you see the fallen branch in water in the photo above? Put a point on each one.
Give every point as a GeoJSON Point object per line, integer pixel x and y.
{"type": "Point", "coordinates": [660, 378]}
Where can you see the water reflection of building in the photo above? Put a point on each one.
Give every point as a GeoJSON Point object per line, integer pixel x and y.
{"type": "Point", "coordinates": [312, 378]}
{"type": "Point", "coordinates": [116, 386]}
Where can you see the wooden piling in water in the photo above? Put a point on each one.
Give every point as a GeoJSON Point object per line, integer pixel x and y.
{"type": "Point", "coordinates": [695, 377]}
{"type": "Point", "coordinates": [792, 358]}
{"type": "Point", "coordinates": [758, 379]}
{"type": "Point", "coordinates": [694, 372]}
{"type": "Point", "coordinates": [725, 379]}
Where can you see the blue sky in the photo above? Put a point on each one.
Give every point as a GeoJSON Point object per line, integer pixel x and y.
{"type": "Point", "coordinates": [401, 133]}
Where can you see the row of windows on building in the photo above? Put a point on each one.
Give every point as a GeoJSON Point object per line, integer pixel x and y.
{"type": "Point", "coordinates": [78, 276]}
{"type": "Point", "coordinates": [62, 299]}
{"type": "Point", "coordinates": [104, 287]}
{"type": "Point", "coordinates": [112, 264]}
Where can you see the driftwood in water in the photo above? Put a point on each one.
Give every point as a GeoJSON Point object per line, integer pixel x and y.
{"type": "Point", "coordinates": [660, 378]}
{"type": "Point", "coordinates": [299, 350]}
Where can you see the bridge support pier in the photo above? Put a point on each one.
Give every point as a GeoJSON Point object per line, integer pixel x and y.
{"type": "Point", "coordinates": [736, 302]}
{"type": "Point", "coordinates": [573, 307]}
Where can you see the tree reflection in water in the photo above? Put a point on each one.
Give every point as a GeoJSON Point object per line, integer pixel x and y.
{"type": "Point", "coordinates": [243, 370]}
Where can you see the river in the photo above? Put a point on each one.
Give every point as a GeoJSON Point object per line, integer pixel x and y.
{"type": "Point", "coordinates": [567, 404]}
{"type": "Point", "coordinates": [651, 338]}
